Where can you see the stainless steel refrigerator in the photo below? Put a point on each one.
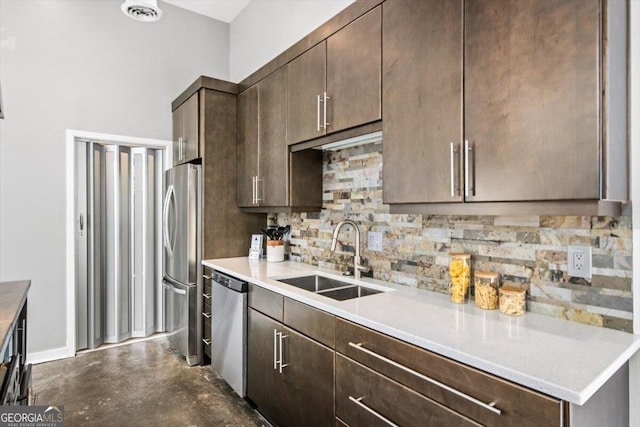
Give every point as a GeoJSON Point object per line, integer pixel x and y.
{"type": "Point", "coordinates": [182, 254]}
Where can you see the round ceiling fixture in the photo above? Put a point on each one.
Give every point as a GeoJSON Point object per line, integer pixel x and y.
{"type": "Point", "coordinates": [142, 10]}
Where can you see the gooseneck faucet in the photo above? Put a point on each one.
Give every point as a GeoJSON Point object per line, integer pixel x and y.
{"type": "Point", "coordinates": [357, 267]}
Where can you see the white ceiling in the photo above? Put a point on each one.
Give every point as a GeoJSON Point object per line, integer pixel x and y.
{"type": "Point", "coordinates": [222, 10]}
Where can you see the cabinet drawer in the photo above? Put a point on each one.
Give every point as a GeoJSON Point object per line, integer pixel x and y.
{"type": "Point", "coordinates": [206, 336]}
{"type": "Point", "coordinates": [460, 387]}
{"type": "Point", "coordinates": [206, 306]}
{"type": "Point", "coordinates": [366, 398]}
{"type": "Point", "coordinates": [266, 302]}
{"type": "Point", "coordinates": [206, 290]}
{"type": "Point", "coordinates": [206, 330]}
{"type": "Point", "coordinates": [312, 322]}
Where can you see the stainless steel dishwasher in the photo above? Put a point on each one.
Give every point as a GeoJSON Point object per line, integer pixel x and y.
{"type": "Point", "coordinates": [229, 329]}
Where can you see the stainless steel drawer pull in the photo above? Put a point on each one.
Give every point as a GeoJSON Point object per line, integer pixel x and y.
{"type": "Point", "coordinates": [371, 411]}
{"type": "Point", "coordinates": [207, 315]}
{"type": "Point", "coordinates": [207, 296]}
{"type": "Point", "coordinates": [206, 341]}
{"type": "Point", "coordinates": [206, 277]}
{"type": "Point", "coordinates": [488, 406]}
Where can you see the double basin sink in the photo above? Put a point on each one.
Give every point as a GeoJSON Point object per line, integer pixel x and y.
{"type": "Point", "coordinates": [331, 287]}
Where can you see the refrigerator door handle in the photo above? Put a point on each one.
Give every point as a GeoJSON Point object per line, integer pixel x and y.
{"type": "Point", "coordinates": [165, 219]}
{"type": "Point", "coordinates": [174, 289]}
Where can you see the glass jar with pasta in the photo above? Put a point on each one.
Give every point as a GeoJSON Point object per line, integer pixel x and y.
{"type": "Point", "coordinates": [485, 288]}
{"type": "Point", "coordinates": [460, 276]}
{"type": "Point", "coordinates": [512, 300]}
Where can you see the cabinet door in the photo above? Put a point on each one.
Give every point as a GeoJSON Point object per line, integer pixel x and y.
{"type": "Point", "coordinates": [422, 85]}
{"type": "Point", "coordinates": [308, 381]}
{"type": "Point", "coordinates": [532, 99]}
{"type": "Point", "coordinates": [264, 383]}
{"type": "Point", "coordinates": [354, 57]}
{"type": "Point", "coordinates": [190, 123]}
{"type": "Point", "coordinates": [177, 135]}
{"type": "Point", "coordinates": [306, 82]}
{"type": "Point", "coordinates": [247, 146]}
{"type": "Point", "coordinates": [273, 151]}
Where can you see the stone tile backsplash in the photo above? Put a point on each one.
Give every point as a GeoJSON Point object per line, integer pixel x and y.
{"type": "Point", "coordinates": [527, 251]}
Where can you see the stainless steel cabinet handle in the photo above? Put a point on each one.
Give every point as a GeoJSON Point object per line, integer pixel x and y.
{"type": "Point", "coordinates": [275, 349]}
{"type": "Point", "coordinates": [258, 198]}
{"type": "Point", "coordinates": [207, 315]}
{"type": "Point", "coordinates": [206, 341]}
{"type": "Point", "coordinates": [206, 277]}
{"type": "Point", "coordinates": [318, 111]}
{"type": "Point", "coordinates": [326, 123]}
{"type": "Point", "coordinates": [254, 190]}
{"type": "Point", "coordinates": [280, 362]}
{"type": "Point", "coordinates": [371, 411]}
{"type": "Point", "coordinates": [489, 406]}
{"type": "Point", "coordinates": [454, 172]}
{"type": "Point", "coordinates": [468, 169]}
{"type": "Point", "coordinates": [207, 296]}
{"type": "Point", "coordinates": [180, 148]}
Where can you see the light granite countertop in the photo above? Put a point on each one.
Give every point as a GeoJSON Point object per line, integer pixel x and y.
{"type": "Point", "coordinates": [564, 359]}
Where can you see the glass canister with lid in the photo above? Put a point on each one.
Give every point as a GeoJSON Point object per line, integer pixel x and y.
{"type": "Point", "coordinates": [486, 285]}
{"type": "Point", "coordinates": [513, 300]}
{"type": "Point", "coordinates": [460, 276]}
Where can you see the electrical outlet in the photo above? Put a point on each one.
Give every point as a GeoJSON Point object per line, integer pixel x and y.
{"type": "Point", "coordinates": [375, 241]}
{"type": "Point", "coordinates": [579, 261]}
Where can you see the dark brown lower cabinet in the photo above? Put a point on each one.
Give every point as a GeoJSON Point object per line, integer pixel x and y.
{"type": "Point", "coordinates": [366, 398]}
{"type": "Point", "coordinates": [289, 376]}
{"type": "Point", "coordinates": [412, 386]}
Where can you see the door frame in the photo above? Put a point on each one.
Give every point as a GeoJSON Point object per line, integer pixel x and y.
{"type": "Point", "coordinates": [73, 137]}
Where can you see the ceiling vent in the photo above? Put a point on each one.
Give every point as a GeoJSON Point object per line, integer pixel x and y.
{"type": "Point", "coordinates": [142, 10]}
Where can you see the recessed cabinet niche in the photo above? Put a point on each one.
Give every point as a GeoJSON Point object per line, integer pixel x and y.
{"type": "Point", "coordinates": [530, 108]}
{"type": "Point", "coordinates": [336, 84]}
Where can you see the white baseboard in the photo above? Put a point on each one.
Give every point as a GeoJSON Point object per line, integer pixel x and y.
{"type": "Point", "coordinates": [49, 355]}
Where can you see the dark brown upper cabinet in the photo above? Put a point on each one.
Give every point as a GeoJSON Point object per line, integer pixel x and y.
{"type": "Point", "coordinates": [526, 126]}
{"type": "Point", "coordinates": [422, 96]}
{"type": "Point", "coordinates": [336, 85]}
{"type": "Point", "coordinates": [185, 131]}
{"type": "Point", "coordinates": [531, 100]}
{"type": "Point", "coordinates": [262, 146]}
{"type": "Point", "coordinates": [268, 175]}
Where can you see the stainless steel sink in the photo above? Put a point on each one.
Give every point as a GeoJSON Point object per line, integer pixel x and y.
{"type": "Point", "coordinates": [329, 287]}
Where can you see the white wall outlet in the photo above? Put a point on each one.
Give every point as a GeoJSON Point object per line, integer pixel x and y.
{"type": "Point", "coordinates": [375, 241]}
{"type": "Point", "coordinates": [579, 261]}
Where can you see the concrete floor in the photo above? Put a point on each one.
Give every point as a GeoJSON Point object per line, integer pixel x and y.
{"type": "Point", "coordinates": [143, 383]}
